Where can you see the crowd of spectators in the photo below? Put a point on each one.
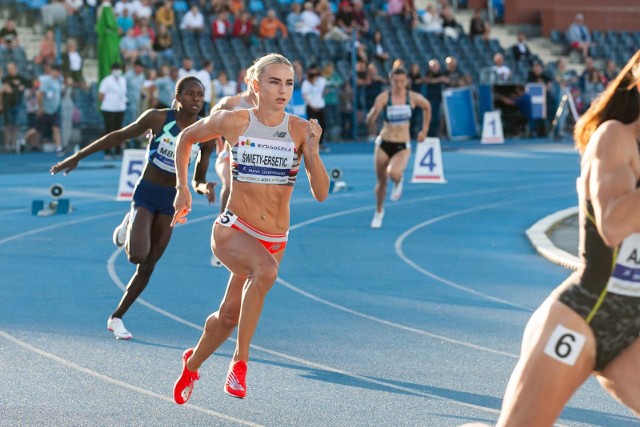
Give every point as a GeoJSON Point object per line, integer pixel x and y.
{"type": "Point", "coordinates": [151, 66]}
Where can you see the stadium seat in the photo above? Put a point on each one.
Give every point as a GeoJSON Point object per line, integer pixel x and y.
{"type": "Point", "coordinates": [180, 6]}
{"type": "Point", "coordinates": [256, 6]}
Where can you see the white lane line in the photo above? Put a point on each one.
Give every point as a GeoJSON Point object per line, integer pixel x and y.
{"type": "Point", "coordinates": [406, 259]}
{"type": "Point", "coordinates": [61, 224]}
{"type": "Point", "coordinates": [298, 360]}
{"type": "Point", "coordinates": [282, 355]}
{"type": "Point", "coordinates": [119, 383]}
{"type": "Point", "coordinates": [400, 253]}
{"type": "Point", "coordinates": [392, 324]}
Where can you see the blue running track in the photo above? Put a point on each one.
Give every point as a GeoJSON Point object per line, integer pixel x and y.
{"type": "Point", "coordinates": [415, 324]}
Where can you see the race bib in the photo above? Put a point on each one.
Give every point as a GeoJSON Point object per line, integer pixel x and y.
{"type": "Point", "coordinates": [165, 154]}
{"type": "Point", "coordinates": [565, 345]}
{"type": "Point", "coordinates": [625, 279]}
{"type": "Point", "coordinates": [263, 161]}
{"type": "Point", "coordinates": [398, 113]}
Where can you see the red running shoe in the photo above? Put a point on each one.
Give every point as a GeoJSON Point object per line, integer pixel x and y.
{"type": "Point", "coordinates": [236, 384]}
{"type": "Point", "coordinates": [184, 385]}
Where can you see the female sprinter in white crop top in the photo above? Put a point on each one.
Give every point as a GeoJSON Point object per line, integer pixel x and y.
{"type": "Point", "coordinates": [250, 236]}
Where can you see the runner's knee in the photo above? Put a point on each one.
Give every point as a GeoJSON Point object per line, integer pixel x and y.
{"type": "Point", "coordinates": [264, 276]}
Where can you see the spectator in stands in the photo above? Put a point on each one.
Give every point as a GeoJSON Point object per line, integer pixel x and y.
{"type": "Point", "coordinates": [589, 66]}
{"type": "Point", "coordinates": [330, 31]}
{"type": "Point", "coordinates": [401, 7]}
{"type": "Point", "coordinates": [144, 32]}
{"type": "Point", "coordinates": [450, 26]}
{"type": "Point", "coordinates": [49, 98]}
{"type": "Point", "coordinates": [501, 72]}
{"type": "Point", "coordinates": [47, 52]}
{"type": "Point", "coordinates": [187, 68]}
{"type": "Point", "coordinates": [416, 84]}
{"type": "Point", "coordinates": [112, 94]}
{"type": "Point", "coordinates": [236, 7]}
{"type": "Point", "coordinates": [428, 20]}
{"type": "Point", "coordinates": [270, 25]}
{"type": "Point", "coordinates": [72, 63]}
{"type": "Point", "coordinates": [125, 22]}
{"type": "Point", "coordinates": [346, 110]}
{"type": "Point", "coordinates": [376, 80]}
{"type": "Point", "coordinates": [456, 78]}
{"type": "Point", "coordinates": [31, 108]}
{"type": "Point", "coordinates": [394, 7]}
{"type": "Point", "coordinates": [363, 80]}
{"type": "Point", "coordinates": [295, 23]}
{"type": "Point", "coordinates": [331, 98]}
{"type": "Point", "coordinates": [134, 78]}
{"type": "Point", "coordinates": [145, 44]}
{"type": "Point", "coordinates": [243, 27]}
{"type": "Point", "coordinates": [221, 27]}
{"type": "Point", "coordinates": [323, 8]}
{"type": "Point", "coordinates": [121, 5]}
{"type": "Point", "coordinates": [379, 52]}
{"type": "Point", "coordinates": [476, 26]}
{"type": "Point", "coordinates": [163, 45]}
{"type": "Point", "coordinates": [486, 37]}
{"type": "Point", "coordinates": [205, 75]}
{"type": "Point", "coordinates": [193, 20]}
{"type": "Point", "coordinates": [130, 47]}
{"type": "Point", "coordinates": [309, 20]}
{"type": "Point", "coordinates": [313, 88]}
{"type": "Point", "coordinates": [214, 7]}
{"type": "Point", "coordinates": [143, 10]}
{"type": "Point", "coordinates": [594, 84]}
{"type": "Point", "coordinates": [54, 15]}
{"type": "Point", "coordinates": [521, 50]}
{"type": "Point", "coordinates": [579, 36]}
{"type": "Point", "coordinates": [516, 111]}
{"type": "Point", "coordinates": [13, 87]}
{"type": "Point", "coordinates": [416, 79]}
{"type": "Point", "coordinates": [362, 50]}
{"type": "Point", "coordinates": [108, 48]}
{"type": "Point", "coordinates": [9, 36]}
{"type": "Point", "coordinates": [73, 6]}
{"type": "Point", "coordinates": [240, 79]}
{"type": "Point", "coordinates": [298, 74]}
{"type": "Point", "coordinates": [166, 86]}
{"type": "Point", "coordinates": [435, 81]}
{"type": "Point", "coordinates": [222, 86]}
{"type": "Point", "coordinates": [345, 18]}
{"type": "Point", "coordinates": [610, 71]}
{"type": "Point", "coordinates": [148, 98]}
{"type": "Point", "coordinates": [165, 14]}
{"type": "Point", "coordinates": [538, 75]}
{"type": "Point", "coordinates": [360, 20]}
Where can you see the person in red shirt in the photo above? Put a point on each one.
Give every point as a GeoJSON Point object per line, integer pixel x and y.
{"type": "Point", "coordinates": [221, 27]}
{"type": "Point", "coordinates": [243, 27]}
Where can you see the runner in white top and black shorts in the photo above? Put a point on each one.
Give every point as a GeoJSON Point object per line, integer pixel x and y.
{"type": "Point", "coordinates": [393, 147]}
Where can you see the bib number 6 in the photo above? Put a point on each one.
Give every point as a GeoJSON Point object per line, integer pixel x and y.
{"type": "Point", "coordinates": [565, 345]}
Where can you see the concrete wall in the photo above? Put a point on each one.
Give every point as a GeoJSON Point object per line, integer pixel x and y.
{"type": "Point", "coordinates": [621, 15]}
